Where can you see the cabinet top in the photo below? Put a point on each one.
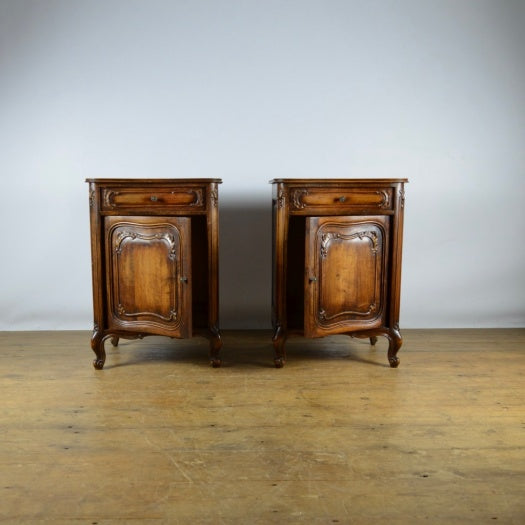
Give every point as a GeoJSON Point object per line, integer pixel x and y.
{"type": "Point", "coordinates": [335, 182]}
{"type": "Point", "coordinates": [129, 182]}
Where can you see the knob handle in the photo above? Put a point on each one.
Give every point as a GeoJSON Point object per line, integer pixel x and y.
{"type": "Point", "coordinates": [183, 279]}
{"type": "Point", "coordinates": [313, 279]}
{"type": "Point", "coordinates": [154, 198]}
{"type": "Point", "coordinates": [342, 198]}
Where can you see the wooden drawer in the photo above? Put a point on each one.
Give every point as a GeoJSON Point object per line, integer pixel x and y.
{"type": "Point", "coordinates": [142, 198]}
{"type": "Point", "coordinates": [341, 198]}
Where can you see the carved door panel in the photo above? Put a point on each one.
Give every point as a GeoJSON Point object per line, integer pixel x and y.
{"type": "Point", "coordinates": [345, 270]}
{"type": "Point", "coordinates": [148, 266]}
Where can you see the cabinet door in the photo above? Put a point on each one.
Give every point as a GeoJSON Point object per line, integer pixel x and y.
{"type": "Point", "coordinates": [345, 273]}
{"type": "Point", "coordinates": [148, 266]}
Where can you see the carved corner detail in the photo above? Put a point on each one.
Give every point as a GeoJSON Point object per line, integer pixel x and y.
{"type": "Point", "coordinates": [214, 196]}
{"type": "Point", "coordinates": [385, 202]}
{"type": "Point", "coordinates": [402, 198]}
{"type": "Point", "coordinates": [109, 197]}
{"type": "Point", "coordinates": [198, 197]}
{"type": "Point", "coordinates": [297, 198]}
{"type": "Point", "coordinates": [281, 199]}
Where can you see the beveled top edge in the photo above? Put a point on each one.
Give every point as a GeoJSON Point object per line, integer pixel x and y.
{"type": "Point", "coordinates": [154, 181]}
{"type": "Point", "coordinates": [337, 181]}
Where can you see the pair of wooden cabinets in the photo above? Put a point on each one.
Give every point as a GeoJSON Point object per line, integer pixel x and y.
{"type": "Point", "coordinates": [336, 260]}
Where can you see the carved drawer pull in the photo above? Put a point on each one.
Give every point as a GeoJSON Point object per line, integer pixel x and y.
{"type": "Point", "coordinates": [154, 198]}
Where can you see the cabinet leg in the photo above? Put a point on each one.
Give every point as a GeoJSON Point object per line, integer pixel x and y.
{"type": "Point", "coordinates": [214, 337]}
{"type": "Point", "coordinates": [394, 344]}
{"type": "Point", "coordinates": [114, 340]}
{"type": "Point", "coordinates": [279, 338]}
{"type": "Point", "coordinates": [97, 345]}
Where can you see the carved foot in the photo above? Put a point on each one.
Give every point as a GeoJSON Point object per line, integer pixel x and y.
{"type": "Point", "coordinates": [97, 345]}
{"type": "Point", "coordinates": [279, 338]}
{"type": "Point", "coordinates": [394, 344]}
{"type": "Point", "coordinates": [373, 340]}
{"type": "Point", "coordinates": [394, 361]}
{"type": "Point", "coordinates": [215, 346]}
{"type": "Point", "coordinates": [279, 362]}
{"type": "Point", "coordinates": [98, 364]}
{"type": "Point", "coordinates": [114, 340]}
{"type": "Point", "coordinates": [215, 362]}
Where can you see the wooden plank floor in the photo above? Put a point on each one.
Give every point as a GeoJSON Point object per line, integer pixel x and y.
{"type": "Point", "coordinates": [334, 437]}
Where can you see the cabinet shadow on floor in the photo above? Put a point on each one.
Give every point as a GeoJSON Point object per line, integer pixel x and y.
{"type": "Point", "coordinates": [245, 349]}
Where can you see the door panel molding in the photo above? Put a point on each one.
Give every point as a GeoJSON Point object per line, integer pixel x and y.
{"type": "Point", "coordinates": [148, 260]}
{"type": "Point", "coordinates": [345, 263]}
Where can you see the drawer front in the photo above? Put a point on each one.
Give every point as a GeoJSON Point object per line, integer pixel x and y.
{"type": "Point", "coordinates": [142, 198]}
{"type": "Point", "coordinates": [308, 199]}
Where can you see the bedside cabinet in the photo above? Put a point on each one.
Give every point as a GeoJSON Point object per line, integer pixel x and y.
{"type": "Point", "coordinates": [337, 259]}
{"type": "Point", "coordinates": [154, 247]}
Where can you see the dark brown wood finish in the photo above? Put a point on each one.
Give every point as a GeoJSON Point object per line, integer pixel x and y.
{"type": "Point", "coordinates": [337, 247]}
{"type": "Point", "coordinates": [154, 245]}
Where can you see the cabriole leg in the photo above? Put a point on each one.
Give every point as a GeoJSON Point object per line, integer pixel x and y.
{"type": "Point", "coordinates": [278, 340]}
{"type": "Point", "coordinates": [394, 344]}
{"type": "Point", "coordinates": [97, 345]}
{"type": "Point", "coordinates": [214, 337]}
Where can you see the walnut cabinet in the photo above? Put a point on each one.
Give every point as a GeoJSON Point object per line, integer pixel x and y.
{"type": "Point", "coordinates": [337, 247]}
{"type": "Point", "coordinates": [154, 245]}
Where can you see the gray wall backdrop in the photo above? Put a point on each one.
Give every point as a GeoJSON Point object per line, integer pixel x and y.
{"type": "Point", "coordinates": [249, 90]}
